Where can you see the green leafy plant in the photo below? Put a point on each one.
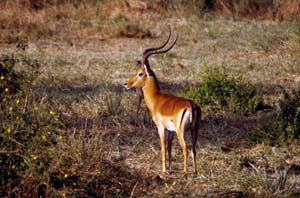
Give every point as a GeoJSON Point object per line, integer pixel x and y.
{"type": "Point", "coordinates": [290, 114]}
{"type": "Point", "coordinates": [220, 91]}
{"type": "Point", "coordinates": [113, 103]}
{"type": "Point", "coordinates": [28, 126]}
{"type": "Point", "coordinates": [284, 126]}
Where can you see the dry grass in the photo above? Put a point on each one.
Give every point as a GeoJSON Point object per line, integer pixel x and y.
{"type": "Point", "coordinates": [105, 150]}
{"type": "Point", "coordinates": [263, 9]}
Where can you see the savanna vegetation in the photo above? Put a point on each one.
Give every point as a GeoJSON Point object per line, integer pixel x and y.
{"type": "Point", "coordinates": [69, 129]}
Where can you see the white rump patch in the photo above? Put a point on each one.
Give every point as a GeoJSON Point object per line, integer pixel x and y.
{"type": "Point", "coordinates": [186, 119]}
{"type": "Point", "coordinates": [170, 125]}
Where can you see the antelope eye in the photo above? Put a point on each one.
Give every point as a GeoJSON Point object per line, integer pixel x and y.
{"type": "Point", "coordinates": [140, 74]}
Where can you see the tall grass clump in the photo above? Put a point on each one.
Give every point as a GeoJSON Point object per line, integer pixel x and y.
{"type": "Point", "coordinates": [40, 156]}
{"type": "Point", "coordinates": [28, 127]}
{"type": "Point", "coordinates": [220, 91]}
{"type": "Point", "coordinates": [284, 126]}
{"type": "Point", "coordinates": [113, 103]}
{"type": "Point", "coordinates": [263, 9]}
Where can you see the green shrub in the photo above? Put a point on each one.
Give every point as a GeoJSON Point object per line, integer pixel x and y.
{"type": "Point", "coordinates": [28, 126]}
{"type": "Point", "coordinates": [39, 156]}
{"type": "Point", "coordinates": [290, 113]}
{"type": "Point", "coordinates": [113, 103]}
{"type": "Point", "coordinates": [220, 91]}
{"type": "Point", "coordinates": [284, 126]}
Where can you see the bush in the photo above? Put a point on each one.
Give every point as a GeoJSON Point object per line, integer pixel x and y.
{"type": "Point", "coordinates": [220, 91]}
{"type": "Point", "coordinates": [39, 156]}
{"type": "Point", "coordinates": [266, 9]}
{"type": "Point", "coordinates": [28, 126]}
{"type": "Point", "coordinates": [284, 126]}
{"type": "Point", "coordinates": [290, 113]}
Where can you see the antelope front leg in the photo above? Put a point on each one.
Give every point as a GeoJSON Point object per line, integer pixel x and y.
{"type": "Point", "coordinates": [161, 132]}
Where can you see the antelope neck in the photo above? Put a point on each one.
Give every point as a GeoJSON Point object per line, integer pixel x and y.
{"type": "Point", "coordinates": [151, 92]}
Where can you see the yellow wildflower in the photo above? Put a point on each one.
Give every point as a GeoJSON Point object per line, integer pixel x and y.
{"type": "Point", "coordinates": [60, 137]}
{"type": "Point", "coordinates": [66, 175]}
{"type": "Point", "coordinates": [51, 112]}
{"type": "Point", "coordinates": [6, 90]}
{"type": "Point", "coordinates": [44, 137]}
{"type": "Point", "coordinates": [8, 130]}
{"type": "Point", "coordinates": [18, 101]}
{"type": "Point", "coordinates": [2, 77]}
{"type": "Point", "coordinates": [4, 99]}
{"type": "Point", "coordinates": [34, 157]}
{"type": "Point", "coordinates": [10, 108]}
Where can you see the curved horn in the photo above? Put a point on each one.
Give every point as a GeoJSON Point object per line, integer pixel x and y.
{"type": "Point", "coordinates": [147, 52]}
{"type": "Point", "coordinates": [162, 51]}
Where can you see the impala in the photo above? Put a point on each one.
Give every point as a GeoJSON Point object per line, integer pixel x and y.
{"type": "Point", "coordinates": [168, 111]}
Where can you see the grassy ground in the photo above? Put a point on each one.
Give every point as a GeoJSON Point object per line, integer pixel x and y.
{"type": "Point", "coordinates": [104, 149]}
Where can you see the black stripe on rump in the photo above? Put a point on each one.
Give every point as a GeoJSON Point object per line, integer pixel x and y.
{"type": "Point", "coordinates": [182, 117]}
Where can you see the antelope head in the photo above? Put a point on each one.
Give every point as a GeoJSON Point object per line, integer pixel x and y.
{"type": "Point", "coordinates": [138, 80]}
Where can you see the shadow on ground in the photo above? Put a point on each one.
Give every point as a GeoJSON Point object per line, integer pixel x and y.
{"type": "Point", "coordinates": [216, 126]}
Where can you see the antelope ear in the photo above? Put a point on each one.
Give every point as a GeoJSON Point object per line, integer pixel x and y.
{"type": "Point", "coordinates": [146, 69]}
{"type": "Point", "coordinates": [139, 63]}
